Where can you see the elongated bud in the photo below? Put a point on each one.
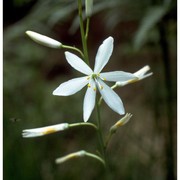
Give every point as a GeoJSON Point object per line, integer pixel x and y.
{"type": "Point", "coordinates": [78, 154]}
{"type": "Point", "coordinates": [89, 7]}
{"type": "Point", "coordinates": [140, 74]}
{"type": "Point", "coordinates": [29, 133]}
{"type": "Point", "coordinates": [43, 40]}
{"type": "Point", "coordinates": [121, 122]}
{"type": "Point", "coordinates": [71, 156]}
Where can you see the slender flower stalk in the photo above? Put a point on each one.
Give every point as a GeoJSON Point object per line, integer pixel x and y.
{"type": "Point", "coordinates": [84, 42]}
{"type": "Point", "coordinates": [99, 131]}
{"type": "Point", "coordinates": [87, 28]}
{"type": "Point", "coordinates": [73, 48]}
{"type": "Point", "coordinates": [94, 80]}
{"type": "Point", "coordinates": [83, 124]}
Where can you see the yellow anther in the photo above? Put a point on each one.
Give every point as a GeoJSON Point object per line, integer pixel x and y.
{"type": "Point", "coordinates": [98, 74]}
{"type": "Point", "coordinates": [101, 87]}
{"type": "Point", "coordinates": [49, 131]}
{"type": "Point", "coordinates": [89, 85]}
{"type": "Point", "coordinates": [94, 89]}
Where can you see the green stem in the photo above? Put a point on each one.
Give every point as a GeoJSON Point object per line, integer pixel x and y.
{"type": "Point", "coordinates": [96, 157]}
{"type": "Point", "coordinates": [108, 139]}
{"type": "Point", "coordinates": [84, 42]}
{"type": "Point", "coordinates": [101, 142]}
{"type": "Point", "coordinates": [73, 48]}
{"type": "Point", "coordinates": [83, 124]}
{"type": "Point", "coordinates": [87, 28]}
{"type": "Point", "coordinates": [108, 174]}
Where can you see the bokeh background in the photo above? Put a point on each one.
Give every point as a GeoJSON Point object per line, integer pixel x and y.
{"type": "Point", "coordinates": [145, 34]}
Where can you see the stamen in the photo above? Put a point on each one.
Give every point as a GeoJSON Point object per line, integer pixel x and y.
{"type": "Point", "coordinates": [89, 85]}
{"type": "Point", "coordinates": [100, 86]}
{"type": "Point", "coordinates": [94, 89]}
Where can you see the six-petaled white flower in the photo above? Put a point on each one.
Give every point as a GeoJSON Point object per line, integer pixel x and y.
{"type": "Point", "coordinates": [94, 80]}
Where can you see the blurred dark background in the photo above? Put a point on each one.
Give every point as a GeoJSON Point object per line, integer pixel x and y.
{"type": "Point", "coordinates": [145, 32]}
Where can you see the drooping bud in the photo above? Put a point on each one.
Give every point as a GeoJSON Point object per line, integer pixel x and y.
{"type": "Point", "coordinates": [43, 40]}
{"type": "Point", "coordinates": [78, 154]}
{"type": "Point", "coordinates": [71, 156]}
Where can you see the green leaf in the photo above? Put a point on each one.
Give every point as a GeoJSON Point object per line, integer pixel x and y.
{"type": "Point", "coordinates": [151, 18]}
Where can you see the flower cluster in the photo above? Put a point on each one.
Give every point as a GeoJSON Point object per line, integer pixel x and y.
{"type": "Point", "coordinates": [94, 80]}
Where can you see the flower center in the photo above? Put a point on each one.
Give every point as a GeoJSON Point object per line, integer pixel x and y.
{"type": "Point", "coordinates": [94, 76]}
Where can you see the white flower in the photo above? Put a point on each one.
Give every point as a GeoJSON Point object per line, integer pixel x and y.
{"type": "Point", "coordinates": [94, 80]}
{"type": "Point", "coordinates": [28, 133]}
{"type": "Point", "coordinates": [141, 74]}
{"type": "Point", "coordinates": [43, 40]}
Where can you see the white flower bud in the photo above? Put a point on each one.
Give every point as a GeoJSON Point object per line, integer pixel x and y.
{"type": "Point", "coordinates": [89, 7]}
{"type": "Point", "coordinates": [29, 133]}
{"type": "Point", "coordinates": [43, 40]}
{"type": "Point", "coordinates": [71, 156]}
{"type": "Point", "coordinates": [121, 122]}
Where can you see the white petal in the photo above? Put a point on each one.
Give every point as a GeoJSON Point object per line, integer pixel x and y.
{"type": "Point", "coordinates": [43, 40]}
{"type": "Point", "coordinates": [142, 71]}
{"type": "Point", "coordinates": [103, 54]}
{"type": "Point", "coordinates": [141, 74]}
{"type": "Point", "coordinates": [78, 64]}
{"type": "Point", "coordinates": [117, 76]}
{"type": "Point", "coordinates": [27, 133]}
{"type": "Point", "coordinates": [111, 98]}
{"type": "Point", "coordinates": [70, 87]}
{"type": "Point", "coordinates": [89, 100]}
